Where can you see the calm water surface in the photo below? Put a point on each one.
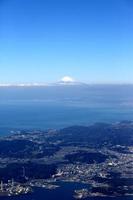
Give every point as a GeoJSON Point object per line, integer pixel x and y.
{"type": "Point", "coordinates": [57, 107]}
{"type": "Point", "coordinates": [65, 192]}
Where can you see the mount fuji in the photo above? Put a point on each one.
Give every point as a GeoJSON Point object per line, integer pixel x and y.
{"type": "Point", "coordinates": [67, 80]}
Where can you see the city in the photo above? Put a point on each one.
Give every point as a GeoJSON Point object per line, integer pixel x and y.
{"type": "Point", "coordinates": [52, 156]}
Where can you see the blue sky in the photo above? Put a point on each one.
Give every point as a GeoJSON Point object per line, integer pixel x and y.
{"type": "Point", "coordinates": [44, 40]}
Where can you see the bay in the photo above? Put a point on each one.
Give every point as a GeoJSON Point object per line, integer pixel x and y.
{"type": "Point", "coordinates": [59, 107]}
{"type": "Point", "coordinates": [64, 192]}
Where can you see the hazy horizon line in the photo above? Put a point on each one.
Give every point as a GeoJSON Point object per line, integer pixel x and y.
{"type": "Point", "coordinates": [61, 84]}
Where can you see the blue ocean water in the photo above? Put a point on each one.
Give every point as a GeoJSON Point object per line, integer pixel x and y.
{"type": "Point", "coordinates": [58, 107]}
{"type": "Point", "coordinates": [65, 192]}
